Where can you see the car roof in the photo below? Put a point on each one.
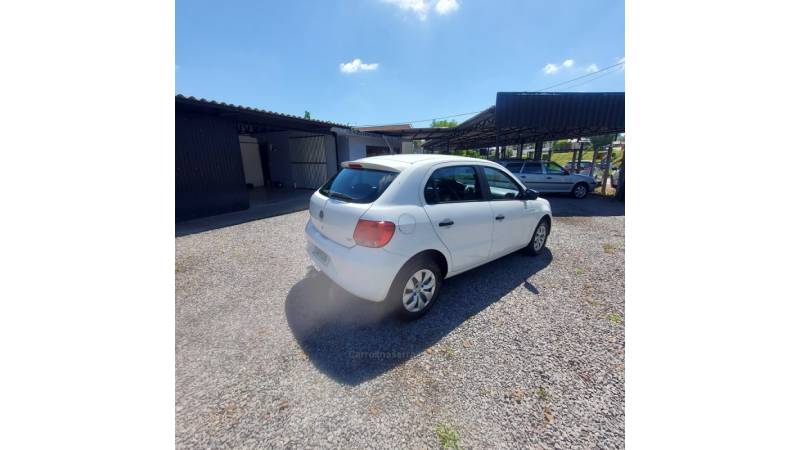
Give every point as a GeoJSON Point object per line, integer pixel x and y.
{"type": "Point", "coordinates": [403, 161]}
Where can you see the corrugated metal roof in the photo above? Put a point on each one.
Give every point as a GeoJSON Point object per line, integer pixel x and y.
{"type": "Point", "coordinates": [201, 102]}
{"type": "Point", "coordinates": [395, 127]}
{"type": "Point", "coordinates": [551, 112]}
{"type": "Point", "coordinates": [534, 116]}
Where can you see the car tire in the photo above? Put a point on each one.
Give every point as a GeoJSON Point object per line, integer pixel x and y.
{"type": "Point", "coordinates": [580, 190]}
{"type": "Point", "coordinates": [539, 239]}
{"type": "Point", "coordinates": [411, 288]}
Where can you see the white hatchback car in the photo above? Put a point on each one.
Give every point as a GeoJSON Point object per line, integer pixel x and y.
{"type": "Point", "coordinates": [392, 228]}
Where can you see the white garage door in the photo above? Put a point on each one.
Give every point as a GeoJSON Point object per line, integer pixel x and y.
{"type": "Point", "coordinates": [309, 169]}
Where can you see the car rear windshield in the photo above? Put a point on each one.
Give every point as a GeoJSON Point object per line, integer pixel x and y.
{"type": "Point", "coordinates": [358, 185]}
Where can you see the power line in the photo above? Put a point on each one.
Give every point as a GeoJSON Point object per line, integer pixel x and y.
{"type": "Point", "coordinates": [603, 71]}
{"type": "Point", "coordinates": [582, 76]}
{"type": "Point", "coordinates": [618, 69]}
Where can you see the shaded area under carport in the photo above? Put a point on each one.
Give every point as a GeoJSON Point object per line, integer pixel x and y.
{"type": "Point", "coordinates": [263, 203]}
{"type": "Point", "coordinates": [563, 205]}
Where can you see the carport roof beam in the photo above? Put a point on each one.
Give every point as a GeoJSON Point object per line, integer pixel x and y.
{"type": "Point", "coordinates": [531, 117]}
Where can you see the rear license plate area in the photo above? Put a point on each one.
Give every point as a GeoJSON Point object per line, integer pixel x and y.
{"type": "Point", "coordinates": [319, 255]}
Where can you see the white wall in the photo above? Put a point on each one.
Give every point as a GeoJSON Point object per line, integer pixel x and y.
{"type": "Point", "coordinates": [409, 147]}
{"type": "Point", "coordinates": [357, 146]}
{"type": "Point", "coordinates": [251, 161]}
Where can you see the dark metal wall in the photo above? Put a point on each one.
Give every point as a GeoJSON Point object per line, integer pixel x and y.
{"type": "Point", "coordinates": [209, 177]}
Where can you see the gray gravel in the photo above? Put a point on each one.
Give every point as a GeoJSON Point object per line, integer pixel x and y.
{"type": "Point", "coordinates": [523, 353]}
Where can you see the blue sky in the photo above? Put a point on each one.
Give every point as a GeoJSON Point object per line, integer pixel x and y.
{"type": "Point", "coordinates": [389, 61]}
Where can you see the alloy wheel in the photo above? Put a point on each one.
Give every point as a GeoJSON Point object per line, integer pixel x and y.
{"type": "Point", "coordinates": [419, 290]}
{"type": "Point", "coordinates": [539, 237]}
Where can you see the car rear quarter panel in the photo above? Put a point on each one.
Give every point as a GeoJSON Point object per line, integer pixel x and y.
{"type": "Point", "coordinates": [414, 232]}
{"type": "Point", "coordinates": [402, 205]}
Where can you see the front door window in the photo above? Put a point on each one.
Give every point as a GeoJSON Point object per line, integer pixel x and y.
{"type": "Point", "coordinates": [552, 168]}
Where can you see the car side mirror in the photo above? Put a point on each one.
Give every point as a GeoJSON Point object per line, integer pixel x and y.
{"type": "Point", "coordinates": [566, 172]}
{"type": "Point", "coordinates": [530, 194]}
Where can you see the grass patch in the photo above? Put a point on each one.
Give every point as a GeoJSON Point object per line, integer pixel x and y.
{"type": "Point", "coordinates": [542, 393]}
{"type": "Point", "coordinates": [616, 318]}
{"type": "Point", "coordinates": [563, 157]}
{"type": "Point", "coordinates": [447, 435]}
{"type": "Point", "coordinates": [608, 248]}
{"type": "Point", "coordinates": [448, 351]}
{"type": "Point", "coordinates": [579, 271]}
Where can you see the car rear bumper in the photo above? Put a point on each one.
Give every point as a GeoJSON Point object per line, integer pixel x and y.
{"type": "Point", "coordinates": [364, 272]}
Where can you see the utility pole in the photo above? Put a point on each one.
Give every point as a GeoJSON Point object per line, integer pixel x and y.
{"type": "Point", "coordinates": [594, 158]}
{"type": "Point", "coordinates": [608, 166]}
{"type": "Point", "coordinates": [574, 154]}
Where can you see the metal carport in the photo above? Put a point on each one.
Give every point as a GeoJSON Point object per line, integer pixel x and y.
{"type": "Point", "coordinates": [519, 118]}
{"type": "Point", "coordinates": [525, 117]}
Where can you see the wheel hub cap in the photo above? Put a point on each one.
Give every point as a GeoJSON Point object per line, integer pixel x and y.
{"type": "Point", "coordinates": [539, 237]}
{"type": "Point", "coordinates": [419, 290]}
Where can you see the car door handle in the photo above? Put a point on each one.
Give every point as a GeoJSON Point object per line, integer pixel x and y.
{"type": "Point", "coordinates": [500, 217]}
{"type": "Point", "coordinates": [549, 178]}
{"type": "Point", "coordinates": [446, 223]}
{"type": "Point", "coordinates": [522, 176]}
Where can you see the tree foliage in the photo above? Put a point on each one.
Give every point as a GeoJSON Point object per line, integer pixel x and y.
{"type": "Point", "coordinates": [306, 115]}
{"type": "Point", "coordinates": [444, 123]}
{"type": "Point", "coordinates": [602, 140]}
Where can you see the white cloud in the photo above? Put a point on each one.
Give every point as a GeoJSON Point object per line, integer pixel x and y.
{"type": "Point", "coordinates": [356, 65]}
{"type": "Point", "coordinates": [420, 7]}
{"type": "Point", "coordinates": [592, 68]}
{"type": "Point", "coordinates": [445, 7]}
{"type": "Point", "coordinates": [550, 69]}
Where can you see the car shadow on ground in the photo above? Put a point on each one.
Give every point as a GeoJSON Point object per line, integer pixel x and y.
{"type": "Point", "coordinates": [353, 340]}
{"type": "Point", "coordinates": [563, 205]}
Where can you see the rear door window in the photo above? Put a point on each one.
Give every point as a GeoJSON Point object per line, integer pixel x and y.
{"type": "Point", "coordinates": [553, 168]}
{"type": "Point", "coordinates": [452, 185]}
{"type": "Point", "coordinates": [358, 185]}
{"type": "Point", "coordinates": [514, 167]}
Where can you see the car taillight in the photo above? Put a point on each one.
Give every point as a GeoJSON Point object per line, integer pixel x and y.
{"type": "Point", "coordinates": [371, 233]}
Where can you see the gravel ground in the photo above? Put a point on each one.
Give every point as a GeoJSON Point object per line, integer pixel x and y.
{"type": "Point", "coordinates": [527, 352]}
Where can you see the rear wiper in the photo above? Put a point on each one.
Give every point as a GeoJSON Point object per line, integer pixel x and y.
{"type": "Point", "coordinates": [340, 195]}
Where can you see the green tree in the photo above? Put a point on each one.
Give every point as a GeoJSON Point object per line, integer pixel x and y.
{"type": "Point", "coordinates": [306, 115]}
{"type": "Point", "coordinates": [561, 144]}
{"type": "Point", "coordinates": [602, 140]}
{"type": "Point", "coordinates": [444, 123]}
